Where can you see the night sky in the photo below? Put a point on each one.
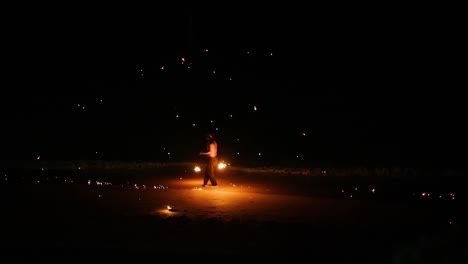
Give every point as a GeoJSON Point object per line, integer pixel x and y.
{"type": "Point", "coordinates": [279, 86]}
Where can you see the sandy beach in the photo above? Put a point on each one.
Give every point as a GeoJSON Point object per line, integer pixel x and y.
{"type": "Point", "coordinates": [155, 212]}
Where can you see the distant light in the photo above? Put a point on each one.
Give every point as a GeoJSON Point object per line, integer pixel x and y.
{"type": "Point", "coordinates": [162, 67]}
{"type": "Point", "coordinates": [177, 116]}
{"type": "Point", "coordinates": [255, 108]}
{"type": "Point", "coordinates": [197, 169]}
{"type": "Point", "coordinates": [206, 50]}
{"type": "Point", "coordinates": [214, 72]}
{"type": "Point", "coordinates": [38, 157]}
{"type": "Point", "coordinates": [230, 115]}
{"type": "Point", "coordinates": [259, 154]}
{"type": "Point", "coordinates": [271, 53]}
{"type": "Point", "coordinates": [193, 124]}
{"type": "Point", "coordinates": [303, 133]}
{"type": "Point", "coordinates": [211, 121]}
{"type": "Point", "coordinates": [238, 153]}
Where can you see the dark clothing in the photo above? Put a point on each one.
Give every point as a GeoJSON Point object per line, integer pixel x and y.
{"type": "Point", "coordinates": [210, 171]}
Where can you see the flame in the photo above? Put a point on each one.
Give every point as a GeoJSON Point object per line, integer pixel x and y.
{"type": "Point", "coordinates": [222, 165]}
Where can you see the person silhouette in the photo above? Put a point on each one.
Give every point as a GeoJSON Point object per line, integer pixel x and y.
{"type": "Point", "coordinates": [212, 162]}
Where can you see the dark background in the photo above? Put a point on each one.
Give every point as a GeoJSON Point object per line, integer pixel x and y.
{"type": "Point", "coordinates": [368, 85]}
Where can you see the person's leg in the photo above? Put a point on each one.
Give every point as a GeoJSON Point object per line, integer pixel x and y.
{"type": "Point", "coordinates": [207, 173]}
{"type": "Point", "coordinates": [212, 171]}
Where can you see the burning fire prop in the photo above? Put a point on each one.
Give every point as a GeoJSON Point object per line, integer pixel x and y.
{"type": "Point", "coordinates": [221, 166]}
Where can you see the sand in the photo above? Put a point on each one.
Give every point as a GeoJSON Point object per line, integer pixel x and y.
{"type": "Point", "coordinates": [151, 213]}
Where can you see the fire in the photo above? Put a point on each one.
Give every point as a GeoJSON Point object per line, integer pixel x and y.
{"type": "Point", "coordinates": [222, 165]}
